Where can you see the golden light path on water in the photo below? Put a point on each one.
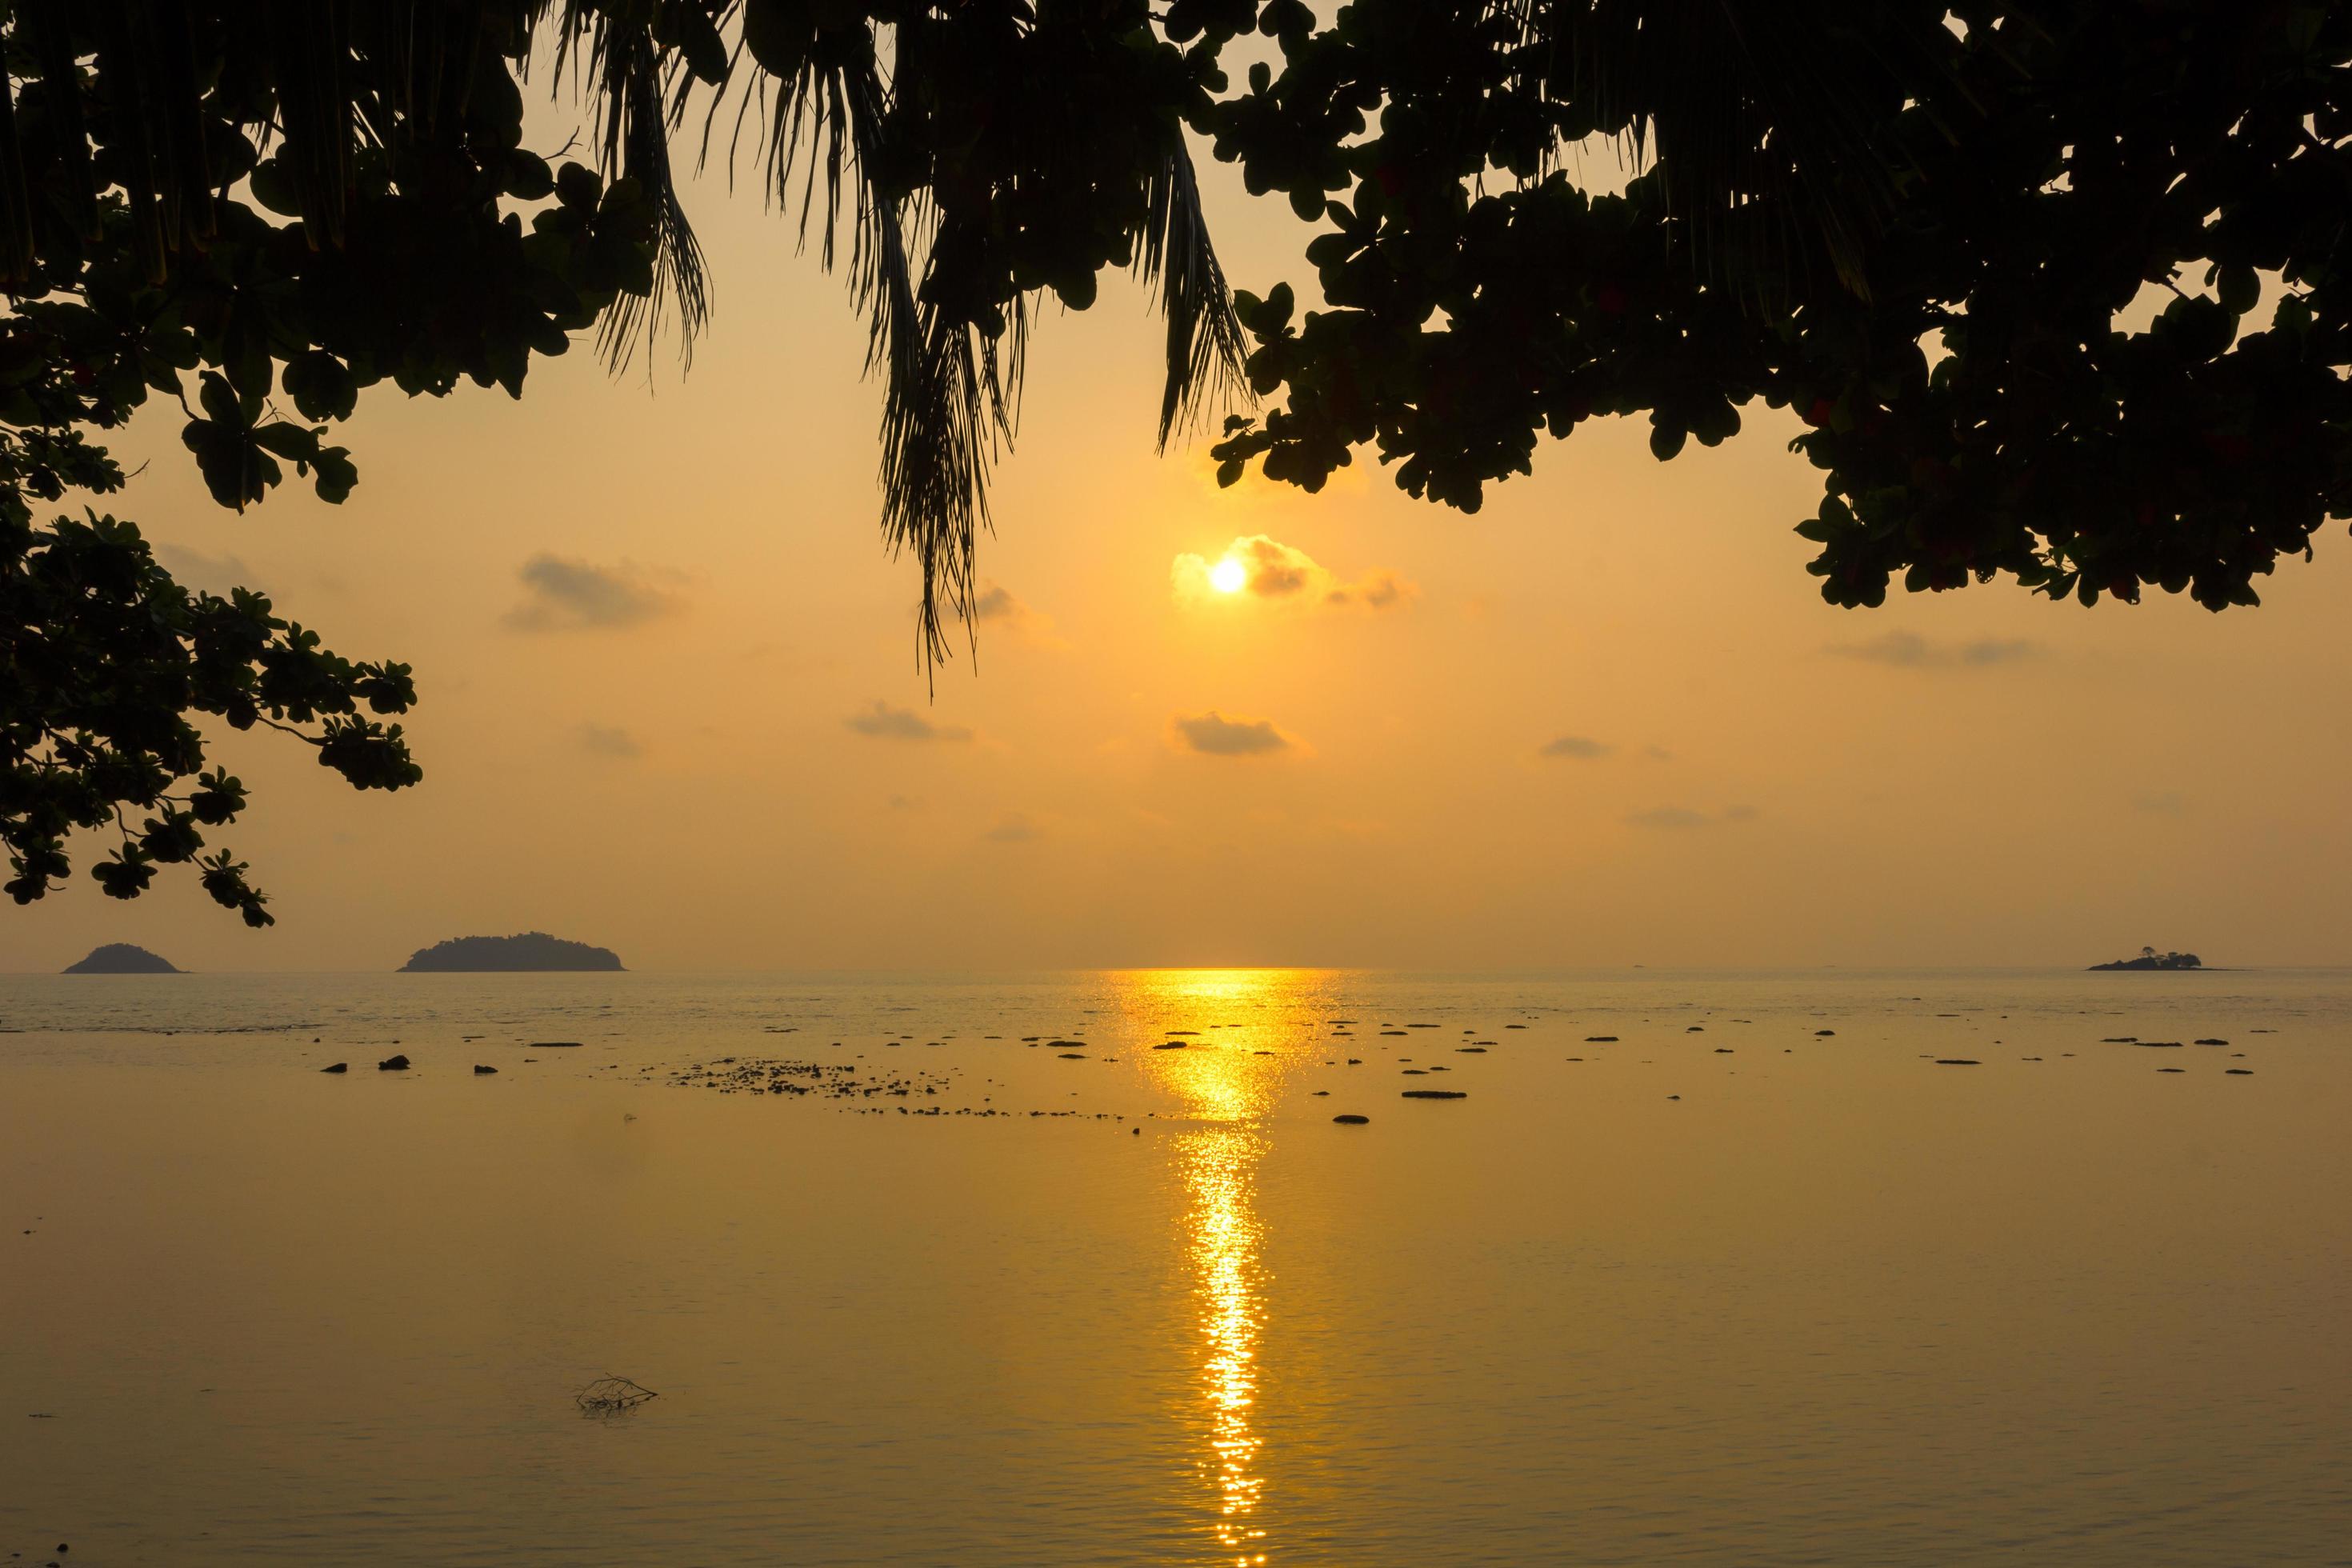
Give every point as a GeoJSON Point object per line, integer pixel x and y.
{"type": "Point", "coordinates": [1248, 1027]}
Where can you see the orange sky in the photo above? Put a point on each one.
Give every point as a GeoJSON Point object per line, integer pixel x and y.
{"type": "Point", "coordinates": [671, 703]}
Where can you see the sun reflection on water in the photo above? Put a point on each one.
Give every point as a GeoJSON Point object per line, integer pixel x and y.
{"type": "Point", "coordinates": [1250, 1024]}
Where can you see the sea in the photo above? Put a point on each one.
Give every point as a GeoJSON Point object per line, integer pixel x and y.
{"type": "Point", "coordinates": [1182, 1267]}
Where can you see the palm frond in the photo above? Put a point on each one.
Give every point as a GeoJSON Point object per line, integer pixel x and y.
{"type": "Point", "coordinates": [1205, 349]}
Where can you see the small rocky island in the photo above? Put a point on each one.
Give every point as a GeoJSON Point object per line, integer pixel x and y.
{"type": "Point", "coordinates": [530, 950]}
{"type": "Point", "coordinates": [122, 958]}
{"type": "Point", "coordinates": [2150, 959]}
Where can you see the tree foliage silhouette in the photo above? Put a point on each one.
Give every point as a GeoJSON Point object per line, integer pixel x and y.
{"type": "Point", "coordinates": [1923, 228]}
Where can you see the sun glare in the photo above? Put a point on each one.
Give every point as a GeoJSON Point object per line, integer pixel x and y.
{"type": "Point", "coordinates": [1228, 575]}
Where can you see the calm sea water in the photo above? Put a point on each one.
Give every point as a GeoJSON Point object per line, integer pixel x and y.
{"type": "Point", "coordinates": [1760, 1280]}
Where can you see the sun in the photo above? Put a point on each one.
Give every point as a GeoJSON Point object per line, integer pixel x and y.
{"type": "Point", "coordinates": [1228, 576]}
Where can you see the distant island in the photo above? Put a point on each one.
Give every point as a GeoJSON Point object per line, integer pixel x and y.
{"type": "Point", "coordinates": [122, 958]}
{"type": "Point", "coordinates": [2150, 959]}
{"type": "Point", "coordinates": [534, 950]}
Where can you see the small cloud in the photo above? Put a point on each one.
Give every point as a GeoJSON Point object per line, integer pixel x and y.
{"type": "Point", "coordinates": [998, 604]}
{"type": "Point", "coordinates": [1214, 735]}
{"type": "Point", "coordinates": [1014, 829]}
{"type": "Point", "coordinates": [1998, 650]}
{"type": "Point", "coordinates": [1381, 590]}
{"type": "Point", "coordinates": [1657, 753]}
{"type": "Point", "coordinates": [2163, 803]}
{"type": "Point", "coordinates": [1262, 567]}
{"type": "Point", "coordinates": [1583, 748]}
{"type": "Point", "coordinates": [1679, 818]}
{"type": "Point", "coordinates": [1909, 650]}
{"type": "Point", "coordinates": [207, 572]}
{"type": "Point", "coordinates": [905, 803]}
{"type": "Point", "coordinates": [606, 740]}
{"type": "Point", "coordinates": [561, 595]}
{"type": "Point", "coordinates": [888, 723]}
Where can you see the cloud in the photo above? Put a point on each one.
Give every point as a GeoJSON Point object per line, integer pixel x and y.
{"type": "Point", "coordinates": [905, 803]}
{"type": "Point", "coordinates": [1273, 571]}
{"type": "Point", "coordinates": [1378, 590]}
{"type": "Point", "coordinates": [1014, 829]}
{"type": "Point", "coordinates": [998, 604]}
{"type": "Point", "coordinates": [1582, 747]}
{"type": "Point", "coordinates": [562, 596]}
{"type": "Point", "coordinates": [207, 572]}
{"type": "Point", "coordinates": [888, 723]}
{"type": "Point", "coordinates": [2162, 803]}
{"type": "Point", "coordinates": [1214, 735]}
{"type": "Point", "coordinates": [1909, 650]}
{"type": "Point", "coordinates": [606, 740]}
{"type": "Point", "coordinates": [1682, 818]}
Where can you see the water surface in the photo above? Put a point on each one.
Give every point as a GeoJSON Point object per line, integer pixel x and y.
{"type": "Point", "coordinates": [1725, 1289]}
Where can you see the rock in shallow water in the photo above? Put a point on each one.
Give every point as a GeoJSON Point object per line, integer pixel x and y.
{"type": "Point", "coordinates": [1351, 1120]}
{"type": "Point", "coordinates": [1437, 1094]}
{"type": "Point", "coordinates": [339, 1066]}
{"type": "Point", "coordinates": [392, 1064]}
{"type": "Point", "coordinates": [481, 1071]}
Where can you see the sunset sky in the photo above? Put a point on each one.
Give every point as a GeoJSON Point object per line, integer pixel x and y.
{"type": "Point", "coordinates": [671, 703]}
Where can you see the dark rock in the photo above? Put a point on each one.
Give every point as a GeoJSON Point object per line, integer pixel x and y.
{"type": "Point", "coordinates": [2157, 1045]}
{"type": "Point", "coordinates": [1071, 1056]}
{"type": "Point", "coordinates": [1170, 1046]}
{"type": "Point", "coordinates": [1436, 1094]}
{"type": "Point", "coordinates": [392, 1064]}
{"type": "Point", "coordinates": [2172, 1070]}
{"type": "Point", "coordinates": [1958, 1062]}
{"type": "Point", "coordinates": [479, 1069]}
{"type": "Point", "coordinates": [1823, 1034]}
{"type": "Point", "coordinates": [339, 1066]}
{"type": "Point", "coordinates": [1351, 1120]}
{"type": "Point", "coordinates": [1723, 1050]}
{"type": "Point", "coordinates": [2238, 1072]}
{"type": "Point", "coordinates": [557, 1046]}
{"type": "Point", "coordinates": [1322, 1094]}
{"type": "Point", "coordinates": [2213, 1042]}
{"type": "Point", "coordinates": [1600, 1039]}
{"type": "Point", "coordinates": [1471, 1050]}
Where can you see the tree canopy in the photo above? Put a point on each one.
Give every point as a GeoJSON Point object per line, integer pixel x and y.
{"type": "Point", "coordinates": [1931, 230]}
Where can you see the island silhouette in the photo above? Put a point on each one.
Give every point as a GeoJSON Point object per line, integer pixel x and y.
{"type": "Point", "coordinates": [532, 950]}
{"type": "Point", "coordinates": [2150, 959]}
{"type": "Point", "coordinates": [122, 958]}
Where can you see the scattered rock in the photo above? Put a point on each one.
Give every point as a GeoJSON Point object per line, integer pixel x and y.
{"type": "Point", "coordinates": [392, 1064]}
{"type": "Point", "coordinates": [1170, 1046]}
{"type": "Point", "coordinates": [2238, 1072]}
{"type": "Point", "coordinates": [1471, 1050]}
{"type": "Point", "coordinates": [2213, 1042]}
{"type": "Point", "coordinates": [1071, 1056]}
{"type": "Point", "coordinates": [339, 1066]}
{"type": "Point", "coordinates": [1351, 1120]}
{"type": "Point", "coordinates": [1600, 1039]}
{"type": "Point", "coordinates": [481, 1071]}
{"type": "Point", "coordinates": [1823, 1034]}
{"type": "Point", "coordinates": [2172, 1070]}
{"type": "Point", "coordinates": [1436, 1094]}
{"type": "Point", "coordinates": [2157, 1045]}
{"type": "Point", "coordinates": [1959, 1062]}
{"type": "Point", "coordinates": [555, 1044]}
